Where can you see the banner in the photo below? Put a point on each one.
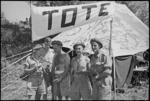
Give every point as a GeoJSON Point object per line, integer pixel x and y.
{"type": "Point", "coordinates": [48, 21]}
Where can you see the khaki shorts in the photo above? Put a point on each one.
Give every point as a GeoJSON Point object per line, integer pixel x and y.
{"type": "Point", "coordinates": [80, 88]}
{"type": "Point", "coordinates": [101, 93]}
{"type": "Point", "coordinates": [62, 88]}
{"type": "Point", "coordinates": [36, 86]}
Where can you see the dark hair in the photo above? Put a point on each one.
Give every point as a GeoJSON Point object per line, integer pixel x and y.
{"type": "Point", "coordinates": [77, 44]}
{"type": "Point", "coordinates": [57, 42]}
{"type": "Point", "coordinates": [47, 39]}
{"type": "Point", "coordinates": [97, 41]}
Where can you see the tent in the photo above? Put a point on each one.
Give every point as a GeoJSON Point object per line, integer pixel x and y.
{"type": "Point", "coordinates": [129, 36]}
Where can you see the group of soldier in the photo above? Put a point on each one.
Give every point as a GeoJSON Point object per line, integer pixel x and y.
{"type": "Point", "coordinates": [77, 78]}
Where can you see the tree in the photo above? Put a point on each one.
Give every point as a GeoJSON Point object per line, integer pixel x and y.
{"type": "Point", "coordinates": [15, 38]}
{"type": "Point", "coordinates": [139, 8]}
{"type": "Point", "coordinates": [4, 21]}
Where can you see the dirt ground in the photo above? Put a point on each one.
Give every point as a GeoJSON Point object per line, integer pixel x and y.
{"type": "Point", "coordinates": [135, 93]}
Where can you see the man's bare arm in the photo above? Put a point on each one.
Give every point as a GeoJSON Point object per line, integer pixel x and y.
{"type": "Point", "coordinates": [33, 68]}
{"type": "Point", "coordinates": [104, 74]}
{"type": "Point", "coordinates": [66, 64]}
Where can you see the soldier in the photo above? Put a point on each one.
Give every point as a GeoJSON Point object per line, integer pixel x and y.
{"type": "Point", "coordinates": [36, 85]}
{"type": "Point", "coordinates": [80, 87]}
{"type": "Point", "coordinates": [60, 70]}
{"type": "Point", "coordinates": [46, 57]}
{"type": "Point", "coordinates": [100, 72]}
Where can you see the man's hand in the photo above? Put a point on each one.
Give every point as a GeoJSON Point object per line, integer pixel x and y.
{"type": "Point", "coordinates": [58, 79]}
{"type": "Point", "coordinates": [39, 69]}
{"type": "Point", "coordinates": [97, 76]}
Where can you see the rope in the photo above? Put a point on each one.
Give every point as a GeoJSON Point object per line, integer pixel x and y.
{"type": "Point", "coordinates": [9, 73]}
{"type": "Point", "coordinates": [16, 55]}
{"type": "Point", "coordinates": [14, 92]}
{"type": "Point", "coordinates": [13, 83]}
{"type": "Point", "coordinates": [16, 61]}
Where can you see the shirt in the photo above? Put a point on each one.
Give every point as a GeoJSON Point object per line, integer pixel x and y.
{"type": "Point", "coordinates": [29, 63]}
{"type": "Point", "coordinates": [79, 64]}
{"type": "Point", "coordinates": [98, 65]}
{"type": "Point", "coordinates": [46, 58]}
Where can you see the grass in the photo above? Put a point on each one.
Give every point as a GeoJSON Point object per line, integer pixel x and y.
{"type": "Point", "coordinates": [130, 94]}
{"type": "Point", "coordinates": [134, 93]}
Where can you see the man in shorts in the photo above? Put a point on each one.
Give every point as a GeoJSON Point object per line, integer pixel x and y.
{"type": "Point", "coordinates": [60, 70]}
{"type": "Point", "coordinates": [36, 85]}
{"type": "Point", "coordinates": [80, 82]}
{"type": "Point", "coordinates": [46, 57]}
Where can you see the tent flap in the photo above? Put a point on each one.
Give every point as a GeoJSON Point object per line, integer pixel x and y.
{"type": "Point", "coordinates": [123, 70]}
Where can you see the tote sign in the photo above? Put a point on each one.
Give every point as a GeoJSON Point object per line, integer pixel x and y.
{"type": "Point", "coordinates": [47, 21]}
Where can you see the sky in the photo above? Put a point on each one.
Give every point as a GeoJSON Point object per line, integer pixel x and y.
{"type": "Point", "coordinates": [15, 11]}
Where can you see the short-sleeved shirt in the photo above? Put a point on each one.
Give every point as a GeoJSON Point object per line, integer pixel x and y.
{"type": "Point", "coordinates": [80, 87]}
{"type": "Point", "coordinates": [99, 64]}
{"type": "Point", "coordinates": [48, 57]}
{"type": "Point", "coordinates": [29, 62]}
{"type": "Point", "coordinates": [79, 64]}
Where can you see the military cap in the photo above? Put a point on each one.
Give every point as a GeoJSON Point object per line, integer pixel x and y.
{"type": "Point", "coordinates": [97, 41]}
{"type": "Point", "coordinates": [77, 44]}
{"type": "Point", "coordinates": [57, 42]}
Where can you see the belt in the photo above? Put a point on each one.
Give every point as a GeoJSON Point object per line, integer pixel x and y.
{"type": "Point", "coordinates": [104, 77]}
{"type": "Point", "coordinates": [59, 72]}
{"type": "Point", "coordinates": [37, 74]}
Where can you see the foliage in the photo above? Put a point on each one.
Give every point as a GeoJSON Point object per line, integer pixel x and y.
{"type": "Point", "coordinates": [16, 38]}
{"type": "Point", "coordinates": [139, 8]}
{"type": "Point", "coordinates": [4, 21]}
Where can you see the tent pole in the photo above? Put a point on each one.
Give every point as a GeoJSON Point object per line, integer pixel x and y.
{"type": "Point", "coordinates": [114, 76]}
{"type": "Point", "coordinates": [110, 53]}
{"type": "Point", "coordinates": [31, 26]}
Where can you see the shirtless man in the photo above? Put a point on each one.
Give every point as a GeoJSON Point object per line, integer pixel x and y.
{"type": "Point", "coordinates": [60, 71]}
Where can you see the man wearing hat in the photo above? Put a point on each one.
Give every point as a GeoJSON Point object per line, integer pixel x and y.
{"type": "Point", "coordinates": [80, 86]}
{"type": "Point", "coordinates": [46, 56]}
{"type": "Point", "coordinates": [60, 71]}
{"type": "Point", "coordinates": [35, 82]}
{"type": "Point", "coordinates": [100, 72]}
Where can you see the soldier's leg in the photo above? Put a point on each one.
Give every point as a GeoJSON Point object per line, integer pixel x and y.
{"type": "Point", "coordinates": [31, 90]}
{"type": "Point", "coordinates": [42, 90]}
{"type": "Point", "coordinates": [95, 91]}
{"type": "Point", "coordinates": [104, 93]}
{"type": "Point", "coordinates": [86, 89]}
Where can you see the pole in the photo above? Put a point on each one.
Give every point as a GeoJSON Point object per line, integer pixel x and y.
{"type": "Point", "coordinates": [114, 69]}
{"type": "Point", "coordinates": [110, 53]}
{"type": "Point", "coordinates": [31, 25]}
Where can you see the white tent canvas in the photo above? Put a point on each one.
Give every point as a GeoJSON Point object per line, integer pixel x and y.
{"type": "Point", "coordinates": [129, 34]}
